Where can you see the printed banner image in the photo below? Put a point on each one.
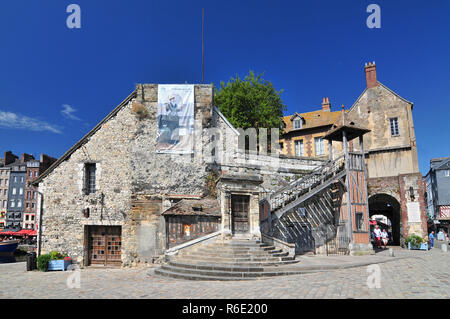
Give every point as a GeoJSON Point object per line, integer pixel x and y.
{"type": "Point", "coordinates": [175, 133]}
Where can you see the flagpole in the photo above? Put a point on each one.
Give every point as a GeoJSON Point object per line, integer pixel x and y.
{"type": "Point", "coordinates": [203, 45]}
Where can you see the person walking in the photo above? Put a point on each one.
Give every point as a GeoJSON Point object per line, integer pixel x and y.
{"type": "Point", "coordinates": [431, 239]}
{"type": "Point", "coordinates": [384, 237]}
{"type": "Point", "coordinates": [377, 232]}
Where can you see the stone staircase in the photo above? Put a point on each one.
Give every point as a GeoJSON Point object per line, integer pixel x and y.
{"type": "Point", "coordinates": [228, 260]}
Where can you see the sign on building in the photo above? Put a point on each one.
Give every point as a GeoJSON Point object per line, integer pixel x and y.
{"type": "Point", "coordinates": [413, 212]}
{"type": "Point", "coordinates": [175, 133]}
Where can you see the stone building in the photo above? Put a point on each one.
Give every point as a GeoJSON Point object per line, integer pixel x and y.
{"type": "Point", "coordinates": [394, 182]}
{"type": "Point", "coordinates": [113, 199]}
{"type": "Point", "coordinates": [304, 133]}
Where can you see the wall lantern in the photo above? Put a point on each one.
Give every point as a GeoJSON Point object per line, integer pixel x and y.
{"type": "Point", "coordinates": [411, 192]}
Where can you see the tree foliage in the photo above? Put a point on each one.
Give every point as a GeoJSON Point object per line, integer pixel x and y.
{"type": "Point", "coordinates": [252, 102]}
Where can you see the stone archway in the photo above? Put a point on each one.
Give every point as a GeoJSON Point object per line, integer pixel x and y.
{"type": "Point", "coordinates": [387, 205]}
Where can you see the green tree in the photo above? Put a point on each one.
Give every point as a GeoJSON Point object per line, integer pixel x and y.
{"type": "Point", "coordinates": [252, 102]}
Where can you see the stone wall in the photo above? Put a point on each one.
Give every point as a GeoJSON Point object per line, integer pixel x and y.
{"type": "Point", "coordinates": [63, 222]}
{"type": "Point", "coordinates": [389, 155]}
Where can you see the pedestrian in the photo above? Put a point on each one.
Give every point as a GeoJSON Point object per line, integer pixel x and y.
{"type": "Point", "coordinates": [440, 235]}
{"type": "Point", "coordinates": [377, 232]}
{"type": "Point", "coordinates": [384, 237]}
{"type": "Point", "coordinates": [431, 239]}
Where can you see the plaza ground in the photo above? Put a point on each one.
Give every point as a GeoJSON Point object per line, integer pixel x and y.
{"type": "Point", "coordinates": [410, 274]}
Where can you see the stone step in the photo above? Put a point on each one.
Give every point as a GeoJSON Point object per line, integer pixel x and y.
{"type": "Point", "coordinates": [165, 273]}
{"type": "Point", "coordinates": [230, 274]}
{"type": "Point", "coordinates": [231, 259]}
{"type": "Point", "coordinates": [194, 254]}
{"type": "Point", "coordinates": [251, 267]}
{"type": "Point", "coordinates": [234, 264]}
{"type": "Point", "coordinates": [212, 252]}
{"type": "Point", "coordinates": [232, 249]}
{"type": "Point", "coordinates": [220, 258]}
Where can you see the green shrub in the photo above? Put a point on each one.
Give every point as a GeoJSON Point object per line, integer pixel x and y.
{"type": "Point", "coordinates": [42, 262]}
{"type": "Point", "coordinates": [415, 240]}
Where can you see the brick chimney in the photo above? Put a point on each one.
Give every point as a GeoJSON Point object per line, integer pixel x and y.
{"type": "Point", "coordinates": [326, 106]}
{"type": "Point", "coordinates": [26, 157]}
{"type": "Point", "coordinates": [46, 161]}
{"type": "Point", "coordinates": [371, 75]}
{"type": "Point", "coordinates": [9, 158]}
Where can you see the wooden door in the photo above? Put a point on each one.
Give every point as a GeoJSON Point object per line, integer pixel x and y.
{"type": "Point", "coordinates": [105, 244]}
{"type": "Point", "coordinates": [240, 212]}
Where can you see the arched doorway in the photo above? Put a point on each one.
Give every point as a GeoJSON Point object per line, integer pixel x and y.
{"type": "Point", "coordinates": [386, 205]}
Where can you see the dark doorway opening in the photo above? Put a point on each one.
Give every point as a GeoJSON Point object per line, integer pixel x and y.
{"type": "Point", "coordinates": [388, 206]}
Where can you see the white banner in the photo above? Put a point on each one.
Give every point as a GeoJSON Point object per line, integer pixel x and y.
{"type": "Point", "coordinates": [175, 133]}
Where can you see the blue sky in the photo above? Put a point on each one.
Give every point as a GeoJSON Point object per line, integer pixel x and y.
{"type": "Point", "coordinates": [56, 83]}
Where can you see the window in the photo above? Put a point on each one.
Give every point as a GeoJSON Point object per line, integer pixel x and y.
{"type": "Point", "coordinates": [27, 217]}
{"type": "Point", "coordinates": [31, 174]}
{"type": "Point", "coordinates": [89, 186]}
{"type": "Point", "coordinates": [36, 174]}
{"type": "Point", "coordinates": [21, 179]}
{"type": "Point", "coordinates": [34, 195]}
{"type": "Point", "coordinates": [281, 145]}
{"type": "Point", "coordinates": [297, 123]}
{"type": "Point", "coordinates": [19, 203]}
{"type": "Point", "coordinates": [447, 173]}
{"type": "Point", "coordinates": [32, 205]}
{"type": "Point", "coordinates": [359, 221]}
{"type": "Point", "coordinates": [319, 146]}
{"type": "Point", "coordinates": [14, 191]}
{"type": "Point", "coordinates": [299, 148]}
{"type": "Point", "coordinates": [32, 217]}
{"type": "Point", "coordinates": [394, 127]}
{"type": "Point", "coordinates": [20, 191]}
{"type": "Point", "coordinates": [15, 179]}
{"type": "Point", "coordinates": [12, 203]}
{"type": "Point", "coordinates": [28, 195]}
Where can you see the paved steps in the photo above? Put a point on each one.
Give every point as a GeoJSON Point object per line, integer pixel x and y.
{"type": "Point", "coordinates": [228, 260]}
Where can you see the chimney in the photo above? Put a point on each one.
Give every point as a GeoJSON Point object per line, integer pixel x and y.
{"type": "Point", "coordinates": [26, 157]}
{"type": "Point", "coordinates": [46, 161]}
{"type": "Point", "coordinates": [371, 75]}
{"type": "Point", "coordinates": [9, 158]}
{"type": "Point", "coordinates": [326, 106]}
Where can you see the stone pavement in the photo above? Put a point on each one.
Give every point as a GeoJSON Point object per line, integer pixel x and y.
{"type": "Point", "coordinates": [413, 274]}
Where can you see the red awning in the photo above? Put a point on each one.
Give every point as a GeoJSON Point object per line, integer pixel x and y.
{"type": "Point", "coordinates": [22, 232]}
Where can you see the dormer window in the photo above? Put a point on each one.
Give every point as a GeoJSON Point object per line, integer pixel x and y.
{"type": "Point", "coordinates": [297, 123]}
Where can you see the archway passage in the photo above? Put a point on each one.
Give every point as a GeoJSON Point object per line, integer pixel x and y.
{"type": "Point", "coordinates": [386, 205]}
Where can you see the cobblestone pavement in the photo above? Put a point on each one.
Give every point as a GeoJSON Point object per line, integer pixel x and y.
{"type": "Point", "coordinates": [421, 275]}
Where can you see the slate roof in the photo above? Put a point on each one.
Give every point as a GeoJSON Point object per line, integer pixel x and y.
{"type": "Point", "coordinates": [195, 207]}
{"type": "Point", "coordinates": [311, 120]}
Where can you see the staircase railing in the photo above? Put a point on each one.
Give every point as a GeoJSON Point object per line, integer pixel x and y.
{"type": "Point", "coordinates": [306, 183]}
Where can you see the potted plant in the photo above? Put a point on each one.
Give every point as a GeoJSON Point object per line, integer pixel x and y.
{"type": "Point", "coordinates": [58, 261]}
{"type": "Point", "coordinates": [416, 242]}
